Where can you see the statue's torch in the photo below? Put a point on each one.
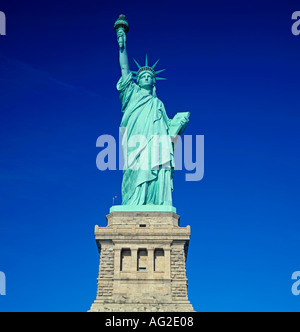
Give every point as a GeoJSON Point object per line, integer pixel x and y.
{"type": "Point", "coordinates": [121, 24]}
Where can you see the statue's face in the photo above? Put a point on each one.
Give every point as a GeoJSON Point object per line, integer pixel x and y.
{"type": "Point", "coordinates": [146, 81]}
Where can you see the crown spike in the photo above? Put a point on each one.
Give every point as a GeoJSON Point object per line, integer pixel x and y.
{"type": "Point", "coordinates": [160, 79]}
{"type": "Point", "coordinates": [159, 71]}
{"type": "Point", "coordinates": [137, 64]}
{"type": "Point", "coordinates": [146, 61]}
{"type": "Point", "coordinates": [155, 64]}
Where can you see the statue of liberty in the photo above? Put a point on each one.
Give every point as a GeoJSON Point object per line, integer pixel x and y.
{"type": "Point", "coordinates": [147, 132]}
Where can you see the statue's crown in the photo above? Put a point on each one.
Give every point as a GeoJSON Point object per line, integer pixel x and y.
{"type": "Point", "coordinates": [148, 69]}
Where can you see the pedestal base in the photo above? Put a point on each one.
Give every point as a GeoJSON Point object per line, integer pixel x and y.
{"type": "Point", "coordinates": [136, 307]}
{"type": "Point", "coordinates": [142, 263]}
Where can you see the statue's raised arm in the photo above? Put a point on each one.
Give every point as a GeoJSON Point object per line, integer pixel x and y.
{"type": "Point", "coordinates": [121, 27]}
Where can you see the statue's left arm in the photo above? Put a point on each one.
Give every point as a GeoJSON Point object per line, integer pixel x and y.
{"type": "Point", "coordinates": [178, 123]}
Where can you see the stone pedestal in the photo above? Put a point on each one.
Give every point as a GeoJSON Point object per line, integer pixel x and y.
{"type": "Point", "coordinates": [142, 263]}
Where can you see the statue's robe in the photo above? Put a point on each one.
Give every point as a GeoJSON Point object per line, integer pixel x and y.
{"type": "Point", "coordinates": [147, 147]}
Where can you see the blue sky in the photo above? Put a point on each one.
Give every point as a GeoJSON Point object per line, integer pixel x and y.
{"type": "Point", "coordinates": [233, 65]}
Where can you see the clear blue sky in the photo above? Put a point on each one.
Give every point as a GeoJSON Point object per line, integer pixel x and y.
{"type": "Point", "coordinates": [233, 64]}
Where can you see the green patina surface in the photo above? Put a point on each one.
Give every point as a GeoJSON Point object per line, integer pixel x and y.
{"type": "Point", "coordinates": [147, 135]}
